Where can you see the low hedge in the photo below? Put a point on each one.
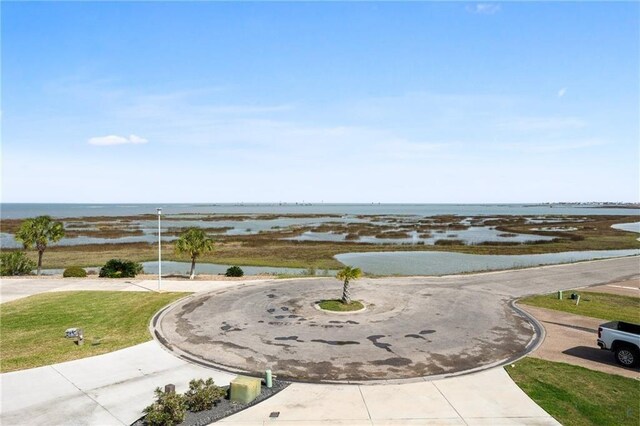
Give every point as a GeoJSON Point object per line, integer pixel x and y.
{"type": "Point", "coordinates": [74, 272]}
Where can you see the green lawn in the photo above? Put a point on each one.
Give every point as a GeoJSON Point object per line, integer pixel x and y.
{"type": "Point", "coordinates": [578, 396]}
{"type": "Point", "coordinates": [338, 306]}
{"type": "Point", "coordinates": [32, 329]}
{"type": "Point", "coordinates": [597, 305]}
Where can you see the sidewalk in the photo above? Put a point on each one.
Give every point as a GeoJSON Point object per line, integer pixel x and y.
{"type": "Point", "coordinates": [112, 389]}
{"type": "Point", "coordinates": [18, 288]}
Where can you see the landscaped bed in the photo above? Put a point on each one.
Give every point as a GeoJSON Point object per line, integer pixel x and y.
{"type": "Point", "coordinates": [337, 306]}
{"type": "Point", "coordinates": [576, 395]}
{"type": "Point", "coordinates": [33, 328]}
{"type": "Point", "coordinates": [224, 407]}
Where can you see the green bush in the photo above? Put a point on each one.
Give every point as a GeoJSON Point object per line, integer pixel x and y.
{"type": "Point", "coordinates": [74, 272]}
{"type": "Point", "coordinates": [203, 395]}
{"type": "Point", "coordinates": [451, 242]}
{"type": "Point", "coordinates": [168, 410]}
{"type": "Point", "coordinates": [16, 263]}
{"type": "Point", "coordinates": [234, 271]}
{"type": "Point", "coordinates": [116, 268]}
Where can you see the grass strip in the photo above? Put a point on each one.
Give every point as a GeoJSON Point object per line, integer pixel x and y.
{"type": "Point", "coordinates": [596, 305]}
{"type": "Point", "coordinates": [32, 328]}
{"type": "Point", "coordinates": [578, 396]}
{"type": "Point", "coordinates": [337, 305]}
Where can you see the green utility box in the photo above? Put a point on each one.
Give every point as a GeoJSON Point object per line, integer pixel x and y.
{"type": "Point", "coordinates": [245, 389]}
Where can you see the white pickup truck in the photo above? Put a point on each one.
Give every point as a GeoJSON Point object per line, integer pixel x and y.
{"type": "Point", "coordinates": [623, 339]}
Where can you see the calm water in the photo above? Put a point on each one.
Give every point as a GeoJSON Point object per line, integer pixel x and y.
{"type": "Point", "coordinates": [444, 263]}
{"type": "Point", "coordinates": [472, 235]}
{"type": "Point", "coordinates": [15, 210]}
{"type": "Point", "coordinates": [631, 227]}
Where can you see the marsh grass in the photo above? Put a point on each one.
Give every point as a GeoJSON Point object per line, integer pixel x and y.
{"type": "Point", "coordinates": [270, 249]}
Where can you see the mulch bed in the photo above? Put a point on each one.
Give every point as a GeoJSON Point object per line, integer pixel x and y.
{"type": "Point", "coordinates": [224, 408]}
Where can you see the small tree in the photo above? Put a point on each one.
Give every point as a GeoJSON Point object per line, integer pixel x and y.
{"type": "Point", "coordinates": [39, 232]}
{"type": "Point", "coordinates": [195, 242]}
{"type": "Point", "coordinates": [16, 263]}
{"type": "Point", "coordinates": [347, 274]}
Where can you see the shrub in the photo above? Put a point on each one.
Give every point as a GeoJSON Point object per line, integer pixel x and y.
{"type": "Point", "coordinates": [16, 263]}
{"type": "Point", "coordinates": [169, 409]}
{"type": "Point", "coordinates": [203, 395]}
{"type": "Point", "coordinates": [234, 271]}
{"type": "Point", "coordinates": [116, 268]}
{"type": "Point", "coordinates": [74, 272]}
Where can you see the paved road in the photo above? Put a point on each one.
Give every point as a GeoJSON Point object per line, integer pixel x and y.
{"type": "Point", "coordinates": [412, 327]}
{"type": "Point", "coordinates": [21, 287]}
{"type": "Point", "coordinates": [113, 388]}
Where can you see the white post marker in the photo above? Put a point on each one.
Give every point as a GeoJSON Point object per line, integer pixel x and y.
{"type": "Point", "coordinates": [159, 249]}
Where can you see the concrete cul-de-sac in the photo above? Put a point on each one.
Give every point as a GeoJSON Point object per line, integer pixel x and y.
{"type": "Point", "coordinates": [412, 327]}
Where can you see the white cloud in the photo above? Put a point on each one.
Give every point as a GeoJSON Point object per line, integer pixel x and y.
{"type": "Point", "coordinates": [116, 140]}
{"type": "Point", "coordinates": [561, 92]}
{"type": "Point", "coordinates": [484, 8]}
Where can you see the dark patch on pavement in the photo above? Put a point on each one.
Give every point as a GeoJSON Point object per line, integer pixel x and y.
{"type": "Point", "coordinates": [336, 342]}
{"type": "Point", "coordinates": [374, 339]}
{"type": "Point", "coordinates": [289, 338]}
{"type": "Point", "coordinates": [415, 336]}
{"type": "Point", "coordinates": [395, 362]}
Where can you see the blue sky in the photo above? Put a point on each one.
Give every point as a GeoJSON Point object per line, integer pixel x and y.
{"type": "Point", "coordinates": [333, 102]}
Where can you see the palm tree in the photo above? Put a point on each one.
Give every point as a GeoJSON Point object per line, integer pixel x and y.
{"type": "Point", "coordinates": [194, 241]}
{"type": "Point", "coordinates": [347, 274]}
{"type": "Point", "coordinates": [39, 231]}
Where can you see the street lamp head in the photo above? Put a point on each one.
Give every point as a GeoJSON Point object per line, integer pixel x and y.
{"type": "Point", "coordinates": [159, 211]}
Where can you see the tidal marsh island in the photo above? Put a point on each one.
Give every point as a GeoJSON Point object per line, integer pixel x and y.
{"type": "Point", "coordinates": [322, 242]}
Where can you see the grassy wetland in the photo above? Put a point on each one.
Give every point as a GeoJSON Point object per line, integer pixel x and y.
{"type": "Point", "coordinates": [312, 240]}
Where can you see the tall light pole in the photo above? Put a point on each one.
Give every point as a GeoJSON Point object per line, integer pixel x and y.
{"type": "Point", "coordinates": [159, 249]}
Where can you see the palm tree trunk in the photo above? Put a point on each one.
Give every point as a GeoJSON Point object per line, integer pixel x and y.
{"type": "Point", "coordinates": [346, 296]}
{"type": "Point", "coordinates": [40, 253]}
{"type": "Point", "coordinates": [192, 274]}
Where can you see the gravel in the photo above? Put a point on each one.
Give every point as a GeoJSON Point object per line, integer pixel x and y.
{"type": "Point", "coordinates": [224, 408]}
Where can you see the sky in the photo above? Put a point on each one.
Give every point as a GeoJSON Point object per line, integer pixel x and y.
{"type": "Point", "coordinates": [417, 102]}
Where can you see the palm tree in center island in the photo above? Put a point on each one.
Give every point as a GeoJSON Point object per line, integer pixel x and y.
{"type": "Point", "coordinates": [347, 274]}
{"type": "Point", "coordinates": [195, 242]}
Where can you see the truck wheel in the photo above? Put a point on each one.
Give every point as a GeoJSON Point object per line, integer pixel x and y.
{"type": "Point", "coordinates": [627, 356]}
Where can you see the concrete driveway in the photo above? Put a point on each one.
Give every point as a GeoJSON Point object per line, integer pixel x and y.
{"type": "Point", "coordinates": [112, 389]}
